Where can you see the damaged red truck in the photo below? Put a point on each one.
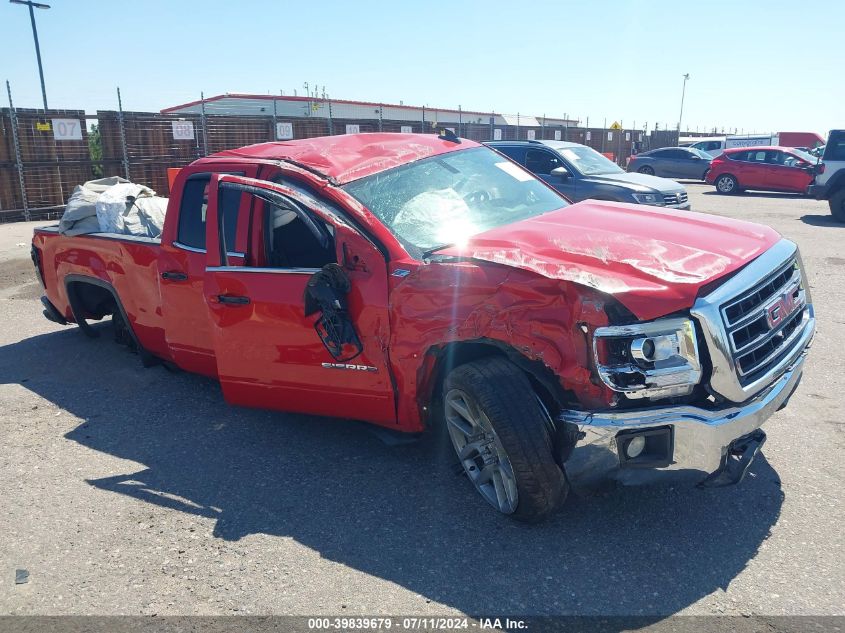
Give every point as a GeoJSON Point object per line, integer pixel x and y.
{"type": "Point", "coordinates": [426, 283]}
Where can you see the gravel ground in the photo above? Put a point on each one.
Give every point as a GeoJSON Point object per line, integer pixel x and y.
{"type": "Point", "coordinates": [138, 491]}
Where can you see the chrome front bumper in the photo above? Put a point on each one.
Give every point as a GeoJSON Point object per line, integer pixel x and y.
{"type": "Point", "coordinates": [701, 438]}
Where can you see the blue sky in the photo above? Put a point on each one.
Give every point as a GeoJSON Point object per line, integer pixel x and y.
{"type": "Point", "coordinates": [768, 65]}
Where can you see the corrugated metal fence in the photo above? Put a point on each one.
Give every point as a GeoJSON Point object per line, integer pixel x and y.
{"type": "Point", "coordinates": [45, 154]}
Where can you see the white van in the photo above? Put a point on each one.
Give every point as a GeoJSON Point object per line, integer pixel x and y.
{"type": "Point", "coordinates": [717, 144]}
{"type": "Point", "coordinates": [713, 145]}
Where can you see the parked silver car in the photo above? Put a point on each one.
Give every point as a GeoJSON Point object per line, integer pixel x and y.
{"type": "Point", "coordinates": [672, 162]}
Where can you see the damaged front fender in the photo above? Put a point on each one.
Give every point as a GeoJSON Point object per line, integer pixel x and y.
{"type": "Point", "coordinates": [542, 324]}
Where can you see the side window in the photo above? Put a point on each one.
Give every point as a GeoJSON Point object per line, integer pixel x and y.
{"type": "Point", "coordinates": [540, 161]}
{"type": "Point", "coordinates": [743, 156]}
{"type": "Point", "coordinates": [290, 243]}
{"type": "Point", "coordinates": [712, 145]}
{"type": "Point", "coordinates": [835, 149]}
{"type": "Point", "coordinates": [774, 157]}
{"type": "Point", "coordinates": [514, 152]}
{"type": "Point", "coordinates": [192, 211]}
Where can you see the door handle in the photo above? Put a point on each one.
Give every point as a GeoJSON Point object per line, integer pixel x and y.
{"type": "Point", "coordinates": [233, 300]}
{"type": "Point", "coordinates": [174, 275]}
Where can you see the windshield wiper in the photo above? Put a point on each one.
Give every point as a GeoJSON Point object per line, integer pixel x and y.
{"type": "Point", "coordinates": [431, 251]}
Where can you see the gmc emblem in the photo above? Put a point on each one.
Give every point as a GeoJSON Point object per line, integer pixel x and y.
{"type": "Point", "coordinates": [783, 307]}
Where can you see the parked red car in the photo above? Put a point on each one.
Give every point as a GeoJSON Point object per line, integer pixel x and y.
{"type": "Point", "coordinates": [765, 168]}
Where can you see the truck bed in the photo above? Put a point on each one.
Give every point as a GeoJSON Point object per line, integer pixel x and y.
{"type": "Point", "coordinates": [126, 263]}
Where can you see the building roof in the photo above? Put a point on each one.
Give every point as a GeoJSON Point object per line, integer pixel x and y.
{"type": "Point", "coordinates": [290, 106]}
{"type": "Point", "coordinates": [348, 157]}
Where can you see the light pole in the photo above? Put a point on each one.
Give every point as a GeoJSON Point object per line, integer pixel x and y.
{"type": "Point", "coordinates": [683, 92]}
{"type": "Point", "coordinates": [36, 5]}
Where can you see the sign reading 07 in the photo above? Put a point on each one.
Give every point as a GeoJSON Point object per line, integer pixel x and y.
{"type": "Point", "coordinates": [67, 129]}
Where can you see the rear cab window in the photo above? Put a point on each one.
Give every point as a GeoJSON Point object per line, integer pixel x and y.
{"type": "Point", "coordinates": [192, 213]}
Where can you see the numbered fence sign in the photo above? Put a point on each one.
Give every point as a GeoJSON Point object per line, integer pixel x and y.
{"type": "Point", "coordinates": [497, 134]}
{"type": "Point", "coordinates": [557, 135]}
{"type": "Point", "coordinates": [67, 129]}
{"type": "Point", "coordinates": [284, 131]}
{"type": "Point", "coordinates": [531, 135]}
{"type": "Point", "coordinates": [183, 130]}
{"type": "Point", "coordinates": [353, 129]}
{"type": "Point", "coordinates": [407, 129]}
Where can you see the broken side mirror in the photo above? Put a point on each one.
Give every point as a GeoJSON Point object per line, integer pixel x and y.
{"type": "Point", "coordinates": [326, 293]}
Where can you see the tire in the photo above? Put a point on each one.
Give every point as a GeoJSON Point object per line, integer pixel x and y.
{"type": "Point", "coordinates": [837, 205]}
{"type": "Point", "coordinates": [726, 184]}
{"type": "Point", "coordinates": [491, 412]}
{"type": "Point", "coordinates": [648, 170]}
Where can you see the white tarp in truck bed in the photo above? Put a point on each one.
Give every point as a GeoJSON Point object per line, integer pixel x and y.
{"type": "Point", "coordinates": [113, 205]}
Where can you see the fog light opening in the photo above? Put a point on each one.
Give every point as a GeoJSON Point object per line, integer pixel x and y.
{"type": "Point", "coordinates": [635, 447]}
{"type": "Point", "coordinates": [646, 448]}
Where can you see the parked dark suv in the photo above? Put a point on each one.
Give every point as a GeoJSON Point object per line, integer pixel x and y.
{"type": "Point", "coordinates": [580, 172]}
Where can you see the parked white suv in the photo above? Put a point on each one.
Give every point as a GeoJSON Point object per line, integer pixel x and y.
{"type": "Point", "coordinates": [830, 175]}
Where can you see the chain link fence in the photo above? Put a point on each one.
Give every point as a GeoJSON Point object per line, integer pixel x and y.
{"type": "Point", "coordinates": [45, 154]}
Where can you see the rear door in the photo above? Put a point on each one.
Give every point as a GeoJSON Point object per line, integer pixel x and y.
{"type": "Point", "coordinates": [270, 353]}
{"type": "Point", "coordinates": [660, 162]}
{"type": "Point", "coordinates": [754, 169]}
{"type": "Point", "coordinates": [181, 267]}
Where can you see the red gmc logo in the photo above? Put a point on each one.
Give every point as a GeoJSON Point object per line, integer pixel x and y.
{"type": "Point", "coordinates": [783, 307]}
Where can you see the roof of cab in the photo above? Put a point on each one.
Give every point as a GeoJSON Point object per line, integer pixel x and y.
{"type": "Point", "coordinates": [348, 157]}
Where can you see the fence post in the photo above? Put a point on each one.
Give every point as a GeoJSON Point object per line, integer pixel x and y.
{"type": "Point", "coordinates": [18, 162]}
{"type": "Point", "coordinates": [380, 116]}
{"type": "Point", "coordinates": [460, 120]}
{"type": "Point", "coordinates": [492, 123]}
{"type": "Point", "coordinates": [422, 131]}
{"type": "Point", "coordinates": [120, 122]}
{"type": "Point", "coordinates": [331, 119]}
{"type": "Point", "coordinates": [203, 124]}
{"type": "Point", "coordinates": [273, 135]}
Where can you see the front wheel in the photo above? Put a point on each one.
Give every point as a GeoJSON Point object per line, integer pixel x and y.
{"type": "Point", "coordinates": [647, 170]}
{"type": "Point", "coordinates": [501, 434]}
{"type": "Point", "coordinates": [837, 205]}
{"type": "Point", "coordinates": [726, 184]}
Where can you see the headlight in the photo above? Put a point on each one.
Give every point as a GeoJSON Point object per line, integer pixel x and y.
{"type": "Point", "coordinates": [648, 360]}
{"type": "Point", "coordinates": [648, 198]}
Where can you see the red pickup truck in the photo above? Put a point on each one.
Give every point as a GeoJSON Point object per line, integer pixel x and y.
{"type": "Point", "coordinates": [423, 282]}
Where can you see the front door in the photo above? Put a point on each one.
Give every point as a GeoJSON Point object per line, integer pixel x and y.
{"type": "Point", "coordinates": [541, 162]}
{"type": "Point", "coordinates": [784, 173]}
{"type": "Point", "coordinates": [270, 353]}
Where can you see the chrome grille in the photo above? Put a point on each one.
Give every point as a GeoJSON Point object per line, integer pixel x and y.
{"type": "Point", "coordinates": [675, 198]}
{"type": "Point", "coordinates": [763, 324]}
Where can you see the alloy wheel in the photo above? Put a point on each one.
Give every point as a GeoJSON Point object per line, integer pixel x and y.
{"type": "Point", "coordinates": [480, 451]}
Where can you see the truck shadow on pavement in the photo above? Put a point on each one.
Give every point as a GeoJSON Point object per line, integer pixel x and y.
{"type": "Point", "coordinates": [398, 513]}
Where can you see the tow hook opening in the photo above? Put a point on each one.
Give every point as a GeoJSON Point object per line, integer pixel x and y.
{"type": "Point", "coordinates": [649, 448]}
{"type": "Point", "coordinates": [741, 452]}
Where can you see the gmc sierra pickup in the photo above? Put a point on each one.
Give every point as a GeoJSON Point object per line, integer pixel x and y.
{"type": "Point", "coordinates": [427, 283]}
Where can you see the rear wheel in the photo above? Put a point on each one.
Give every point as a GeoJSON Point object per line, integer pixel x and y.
{"type": "Point", "coordinates": [501, 434]}
{"type": "Point", "coordinates": [726, 184]}
{"type": "Point", "coordinates": [837, 205]}
{"type": "Point", "coordinates": [647, 170]}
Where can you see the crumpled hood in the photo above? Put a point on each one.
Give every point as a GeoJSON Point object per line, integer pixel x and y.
{"type": "Point", "coordinates": [638, 182]}
{"type": "Point", "coordinates": [654, 261]}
